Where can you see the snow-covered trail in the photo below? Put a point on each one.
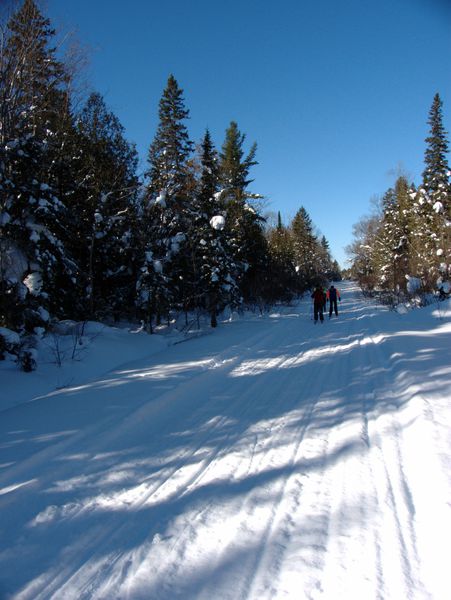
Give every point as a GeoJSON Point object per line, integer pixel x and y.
{"type": "Point", "coordinates": [273, 459]}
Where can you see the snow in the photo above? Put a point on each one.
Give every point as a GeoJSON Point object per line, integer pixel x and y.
{"type": "Point", "coordinates": [161, 199]}
{"type": "Point", "coordinates": [10, 337]}
{"type": "Point", "coordinates": [217, 222]}
{"type": "Point", "coordinates": [44, 314]}
{"type": "Point", "coordinates": [33, 282]}
{"type": "Point", "coordinates": [271, 459]}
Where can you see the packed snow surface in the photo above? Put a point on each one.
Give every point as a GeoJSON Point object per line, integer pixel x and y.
{"type": "Point", "coordinates": [271, 459]}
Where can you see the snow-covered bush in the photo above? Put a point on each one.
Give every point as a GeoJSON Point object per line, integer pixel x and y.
{"type": "Point", "coordinates": [9, 342]}
{"type": "Point", "coordinates": [34, 319]}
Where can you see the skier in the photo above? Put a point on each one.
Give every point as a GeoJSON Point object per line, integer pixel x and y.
{"type": "Point", "coordinates": [332, 295]}
{"type": "Point", "coordinates": [318, 304]}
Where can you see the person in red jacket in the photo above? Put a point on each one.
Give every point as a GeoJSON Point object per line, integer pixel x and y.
{"type": "Point", "coordinates": [318, 304]}
{"type": "Point", "coordinates": [333, 295]}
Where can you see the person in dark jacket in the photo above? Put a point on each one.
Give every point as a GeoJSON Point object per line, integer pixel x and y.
{"type": "Point", "coordinates": [333, 295]}
{"type": "Point", "coordinates": [318, 304]}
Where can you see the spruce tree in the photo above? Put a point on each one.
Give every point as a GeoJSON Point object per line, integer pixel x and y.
{"type": "Point", "coordinates": [436, 173]}
{"type": "Point", "coordinates": [324, 258]}
{"type": "Point", "coordinates": [235, 167]}
{"type": "Point", "coordinates": [282, 263]}
{"type": "Point", "coordinates": [305, 247]}
{"type": "Point", "coordinates": [393, 244]}
{"type": "Point", "coordinates": [435, 200]}
{"type": "Point", "coordinates": [209, 239]}
{"type": "Point", "coordinates": [171, 148]}
{"type": "Point", "coordinates": [35, 268]}
{"type": "Point", "coordinates": [243, 220]}
{"type": "Point", "coordinates": [166, 276]}
{"type": "Point", "coordinates": [104, 213]}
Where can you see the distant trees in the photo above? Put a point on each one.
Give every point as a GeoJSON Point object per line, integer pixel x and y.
{"type": "Point", "coordinates": [300, 258]}
{"type": "Point", "coordinates": [411, 237]}
{"type": "Point", "coordinates": [283, 273]}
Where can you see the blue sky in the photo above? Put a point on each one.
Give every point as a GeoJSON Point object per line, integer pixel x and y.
{"type": "Point", "coordinates": [335, 93]}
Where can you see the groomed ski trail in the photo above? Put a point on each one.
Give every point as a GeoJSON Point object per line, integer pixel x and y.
{"type": "Point", "coordinates": [268, 466]}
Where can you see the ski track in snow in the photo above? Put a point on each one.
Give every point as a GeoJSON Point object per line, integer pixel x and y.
{"type": "Point", "coordinates": [287, 461]}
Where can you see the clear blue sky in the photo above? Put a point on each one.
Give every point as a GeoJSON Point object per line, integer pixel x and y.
{"type": "Point", "coordinates": [336, 93]}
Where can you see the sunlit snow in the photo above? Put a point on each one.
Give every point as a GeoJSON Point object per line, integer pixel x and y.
{"type": "Point", "coordinates": [270, 459]}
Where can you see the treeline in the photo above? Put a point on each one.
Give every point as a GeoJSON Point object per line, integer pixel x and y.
{"type": "Point", "coordinates": [83, 237]}
{"type": "Point", "coordinates": [406, 245]}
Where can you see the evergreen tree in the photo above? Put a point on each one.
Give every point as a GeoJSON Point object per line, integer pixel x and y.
{"type": "Point", "coordinates": [434, 201]}
{"type": "Point", "coordinates": [34, 112]}
{"type": "Point", "coordinates": [104, 212]}
{"type": "Point", "coordinates": [305, 250]}
{"type": "Point", "coordinates": [324, 258]}
{"type": "Point", "coordinates": [234, 167]}
{"type": "Point", "coordinates": [282, 263]}
{"type": "Point", "coordinates": [335, 274]}
{"type": "Point", "coordinates": [436, 173]}
{"type": "Point", "coordinates": [167, 276]}
{"type": "Point", "coordinates": [392, 247]}
{"type": "Point", "coordinates": [244, 222]}
{"type": "Point", "coordinates": [210, 241]}
{"type": "Point", "coordinates": [171, 148]}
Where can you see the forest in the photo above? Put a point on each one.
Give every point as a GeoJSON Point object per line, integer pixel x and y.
{"type": "Point", "coordinates": [84, 236]}
{"type": "Point", "coordinates": [405, 246]}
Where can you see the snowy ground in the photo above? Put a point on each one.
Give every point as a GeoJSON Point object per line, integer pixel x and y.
{"type": "Point", "coordinates": [273, 458]}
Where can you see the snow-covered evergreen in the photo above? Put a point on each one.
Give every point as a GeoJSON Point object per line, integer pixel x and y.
{"type": "Point", "coordinates": [411, 238]}
{"type": "Point", "coordinates": [80, 238]}
{"type": "Point", "coordinates": [104, 213]}
{"type": "Point", "coordinates": [35, 268]}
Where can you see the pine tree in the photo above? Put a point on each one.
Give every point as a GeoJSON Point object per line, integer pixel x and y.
{"type": "Point", "coordinates": [412, 237]}
{"type": "Point", "coordinates": [104, 212]}
{"type": "Point", "coordinates": [305, 247]}
{"type": "Point", "coordinates": [324, 258]}
{"type": "Point", "coordinates": [393, 244]}
{"type": "Point", "coordinates": [434, 200]}
{"type": "Point", "coordinates": [282, 263]}
{"type": "Point", "coordinates": [166, 277]}
{"type": "Point", "coordinates": [209, 239]}
{"type": "Point", "coordinates": [243, 220]}
{"type": "Point", "coordinates": [171, 148]}
{"type": "Point", "coordinates": [34, 110]}
{"type": "Point", "coordinates": [436, 173]}
{"type": "Point", "coordinates": [234, 168]}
